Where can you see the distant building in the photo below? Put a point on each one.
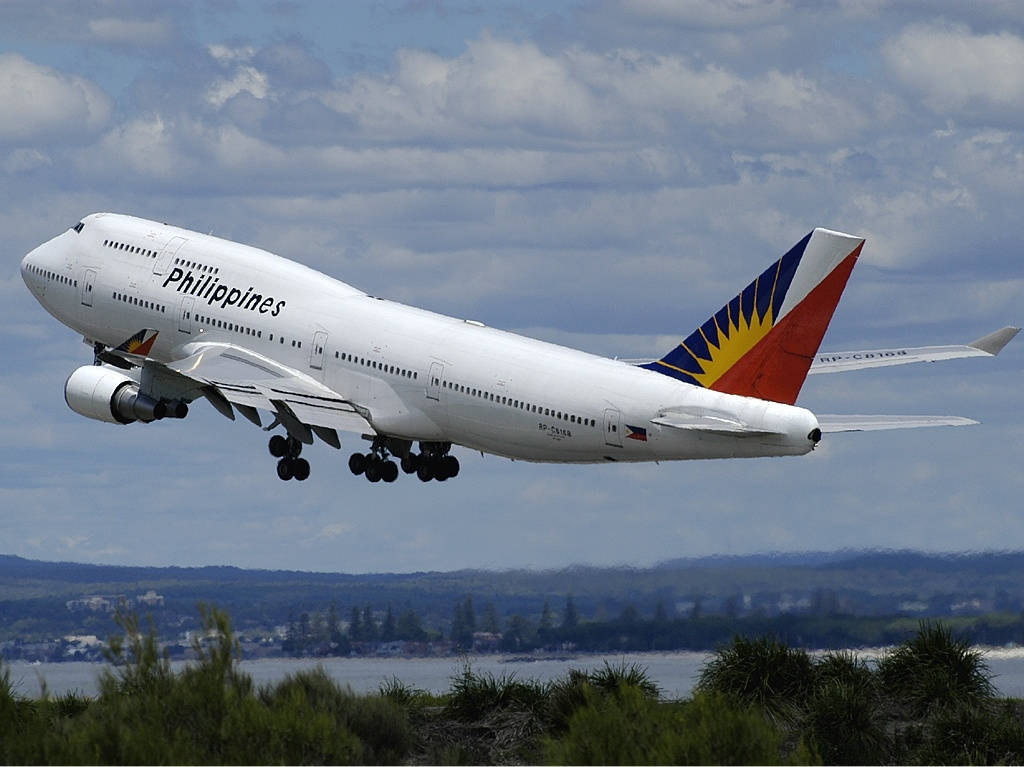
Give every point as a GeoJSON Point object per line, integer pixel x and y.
{"type": "Point", "coordinates": [150, 599]}
{"type": "Point", "coordinates": [108, 603]}
{"type": "Point", "coordinates": [98, 603]}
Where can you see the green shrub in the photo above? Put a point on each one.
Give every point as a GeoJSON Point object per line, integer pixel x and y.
{"type": "Point", "coordinates": [762, 672]}
{"type": "Point", "coordinates": [632, 728]}
{"type": "Point", "coordinates": [933, 670]}
{"type": "Point", "coordinates": [380, 724]}
{"type": "Point", "coordinates": [566, 695]}
{"type": "Point", "coordinates": [966, 734]}
{"type": "Point", "coordinates": [611, 678]}
{"type": "Point", "coordinates": [842, 716]}
{"type": "Point", "coordinates": [474, 696]}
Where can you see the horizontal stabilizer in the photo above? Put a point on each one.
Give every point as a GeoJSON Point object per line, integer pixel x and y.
{"type": "Point", "coordinates": [831, 424]}
{"type": "Point", "coordinates": [706, 422]}
{"type": "Point", "coordinates": [840, 362]}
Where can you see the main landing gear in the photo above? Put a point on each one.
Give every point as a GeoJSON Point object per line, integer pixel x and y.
{"type": "Point", "coordinates": [433, 462]}
{"type": "Point", "coordinates": [290, 466]}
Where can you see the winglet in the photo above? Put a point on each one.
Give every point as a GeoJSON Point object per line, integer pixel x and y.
{"type": "Point", "coordinates": [993, 343]}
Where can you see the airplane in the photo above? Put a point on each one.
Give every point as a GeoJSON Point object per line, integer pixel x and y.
{"type": "Point", "coordinates": [173, 315]}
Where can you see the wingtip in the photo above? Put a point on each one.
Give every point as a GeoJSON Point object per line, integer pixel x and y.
{"type": "Point", "coordinates": [993, 343]}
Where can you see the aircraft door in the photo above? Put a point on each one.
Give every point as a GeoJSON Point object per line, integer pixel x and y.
{"type": "Point", "coordinates": [167, 254]}
{"type": "Point", "coordinates": [434, 380]}
{"type": "Point", "coordinates": [612, 427]}
{"type": "Point", "coordinates": [316, 354]}
{"type": "Point", "coordinates": [88, 286]}
{"type": "Point", "coordinates": [185, 314]}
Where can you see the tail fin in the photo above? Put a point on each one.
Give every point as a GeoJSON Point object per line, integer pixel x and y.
{"type": "Point", "coordinates": [762, 342]}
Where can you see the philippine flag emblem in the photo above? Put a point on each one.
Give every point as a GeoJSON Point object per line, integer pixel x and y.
{"type": "Point", "coordinates": [636, 432]}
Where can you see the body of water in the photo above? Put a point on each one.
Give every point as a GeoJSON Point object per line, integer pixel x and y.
{"type": "Point", "coordinates": [675, 673]}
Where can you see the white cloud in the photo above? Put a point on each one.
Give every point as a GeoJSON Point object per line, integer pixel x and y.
{"type": "Point", "coordinates": [139, 32]}
{"type": "Point", "coordinates": [41, 103]}
{"type": "Point", "coordinates": [956, 70]}
{"type": "Point", "coordinates": [499, 91]}
{"type": "Point", "coordinates": [245, 79]}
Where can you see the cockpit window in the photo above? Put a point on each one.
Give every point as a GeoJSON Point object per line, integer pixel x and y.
{"type": "Point", "coordinates": [79, 226]}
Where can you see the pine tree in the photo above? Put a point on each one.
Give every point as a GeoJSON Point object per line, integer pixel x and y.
{"type": "Point", "coordinates": [334, 624]}
{"type": "Point", "coordinates": [570, 618]}
{"type": "Point", "coordinates": [370, 632]}
{"type": "Point", "coordinates": [304, 637]}
{"type": "Point", "coordinates": [516, 634]}
{"type": "Point", "coordinates": [410, 628]}
{"type": "Point", "coordinates": [355, 626]}
{"type": "Point", "coordinates": [660, 614]}
{"type": "Point", "coordinates": [491, 619]}
{"type": "Point", "coordinates": [463, 624]}
{"type": "Point", "coordinates": [387, 631]}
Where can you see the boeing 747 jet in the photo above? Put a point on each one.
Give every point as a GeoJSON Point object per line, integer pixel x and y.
{"type": "Point", "coordinates": [173, 316]}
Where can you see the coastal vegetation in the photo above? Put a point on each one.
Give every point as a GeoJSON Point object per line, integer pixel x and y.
{"type": "Point", "coordinates": [759, 700]}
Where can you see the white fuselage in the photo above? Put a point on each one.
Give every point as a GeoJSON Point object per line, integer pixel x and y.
{"type": "Point", "coordinates": [419, 375]}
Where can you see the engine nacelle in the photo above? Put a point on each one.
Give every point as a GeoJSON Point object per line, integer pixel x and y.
{"type": "Point", "coordinates": [106, 394]}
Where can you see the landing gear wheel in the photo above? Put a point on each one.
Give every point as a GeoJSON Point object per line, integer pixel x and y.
{"type": "Point", "coordinates": [451, 465]}
{"type": "Point", "coordinates": [278, 446]}
{"type": "Point", "coordinates": [294, 447]}
{"type": "Point", "coordinates": [373, 470]}
{"type": "Point", "coordinates": [409, 463]}
{"type": "Point", "coordinates": [423, 471]}
{"type": "Point", "coordinates": [357, 463]}
{"type": "Point", "coordinates": [389, 471]}
{"type": "Point", "coordinates": [300, 469]}
{"type": "Point", "coordinates": [285, 469]}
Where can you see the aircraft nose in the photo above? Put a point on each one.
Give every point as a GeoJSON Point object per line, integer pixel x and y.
{"type": "Point", "coordinates": [26, 268]}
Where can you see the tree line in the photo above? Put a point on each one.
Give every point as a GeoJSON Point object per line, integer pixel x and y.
{"type": "Point", "coordinates": [325, 633]}
{"type": "Point", "coordinates": [758, 701]}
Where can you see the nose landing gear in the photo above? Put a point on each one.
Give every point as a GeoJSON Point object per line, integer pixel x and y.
{"type": "Point", "coordinates": [291, 466]}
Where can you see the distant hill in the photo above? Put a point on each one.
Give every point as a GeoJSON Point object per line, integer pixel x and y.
{"type": "Point", "coordinates": [847, 582]}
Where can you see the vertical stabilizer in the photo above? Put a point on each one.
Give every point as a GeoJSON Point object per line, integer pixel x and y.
{"type": "Point", "coordinates": [762, 342]}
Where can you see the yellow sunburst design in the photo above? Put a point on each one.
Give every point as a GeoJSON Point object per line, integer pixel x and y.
{"type": "Point", "coordinates": [744, 334]}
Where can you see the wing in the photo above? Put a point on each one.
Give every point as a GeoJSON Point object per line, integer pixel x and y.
{"type": "Point", "coordinates": [840, 362]}
{"type": "Point", "coordinates": [232, 375]}
{"type": "Point", "coordinates": [831, 424]}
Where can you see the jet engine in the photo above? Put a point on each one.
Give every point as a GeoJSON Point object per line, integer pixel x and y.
{"type": "Point", "coordinates": [106, 394]}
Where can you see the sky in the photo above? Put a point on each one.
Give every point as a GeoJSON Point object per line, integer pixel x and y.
{"type": "Point", "coordinates": [600, 174]}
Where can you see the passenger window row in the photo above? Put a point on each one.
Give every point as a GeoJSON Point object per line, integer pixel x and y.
{"type": "Point", "coordinates": [47, 274]}
{"type": "Point", "coordinates": [197, 266]}
{"type": "Point", "coordinates": [146, 252]}
{"type": "Point", "coordinates": [394, 370]}
{"type": "Point", "coordinates": [234, 327]}
{"type": "Point", "coordinates": [151, 305]}
{"type": "Point", "coordinates": [515, 403]}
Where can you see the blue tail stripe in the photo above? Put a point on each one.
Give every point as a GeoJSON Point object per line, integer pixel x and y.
{"type": "Point", "coordinates": [734, 309]}
{"type": "Point", "coordinates": [722, 318]}
{"type": "Point", "coordinates": [766, 292]}
{"type": "Point", "coordinates": [787, 270]}
{"type": "Point", "coordinates": [747, 300]}
{"type": "Point", "coordinates": [695, 343]}
{"type": "Point", "coordinates": [710, 333]}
